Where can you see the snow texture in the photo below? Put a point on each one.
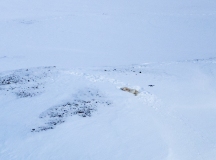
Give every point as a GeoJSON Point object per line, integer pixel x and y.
{"type": "Point", "coordinates": [63, 64]}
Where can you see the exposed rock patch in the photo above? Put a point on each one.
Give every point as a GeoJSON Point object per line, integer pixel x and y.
{"type": "Point", "coordinates": [84, 103]}
{"type": "Point", "coordinates": [26, 82]}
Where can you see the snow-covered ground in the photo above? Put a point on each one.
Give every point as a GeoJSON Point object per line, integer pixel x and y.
{"type": "Point", "coordinates": [62, 64]}
{"type": "Point", "coordinates": [97, 33]}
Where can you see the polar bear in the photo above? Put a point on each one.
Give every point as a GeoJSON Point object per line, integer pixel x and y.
{"type": "Point", "coordinates": [134, 91]}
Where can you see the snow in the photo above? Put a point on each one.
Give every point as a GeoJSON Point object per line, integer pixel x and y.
{"type": "Point", "coordinates": [75, 34]}
{"type": "Point", "coordinates": [62, 64]}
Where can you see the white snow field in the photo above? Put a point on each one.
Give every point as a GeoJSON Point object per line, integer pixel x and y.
{"type": "Point", "coordinates": [62, 66]}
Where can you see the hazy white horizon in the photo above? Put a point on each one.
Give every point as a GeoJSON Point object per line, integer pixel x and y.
{"type": "Point", "coordinates": [115, 32]}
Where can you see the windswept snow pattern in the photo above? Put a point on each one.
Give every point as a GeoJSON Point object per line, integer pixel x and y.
{"type": "Point", "coordinates": [88, 110]}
